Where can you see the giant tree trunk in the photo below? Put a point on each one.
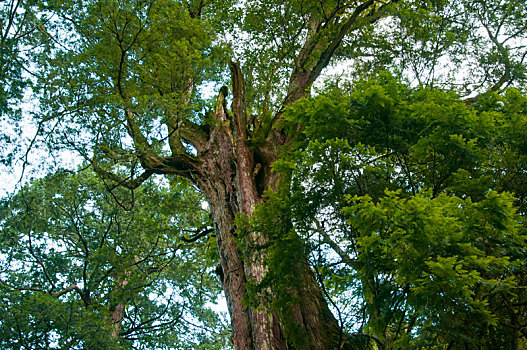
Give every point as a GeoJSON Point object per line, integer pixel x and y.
{"type": "Point", "coordinates": [233, 172]}
{"type": "Point", "coordinates": [232, 167]}
{"type": "Point", "coordinates": [233, 177]}
{"type": "Point", "coordinates": [228, 194]}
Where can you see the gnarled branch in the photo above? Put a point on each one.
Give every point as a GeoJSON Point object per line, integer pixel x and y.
{"type": "Point", "coordinates": [239, 103]}
{"type": "Point", "coordinates": [72, 287]}
{"type": "Point", "coordinates": [305, 74]}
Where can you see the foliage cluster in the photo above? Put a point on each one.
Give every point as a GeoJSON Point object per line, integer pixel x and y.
{"type": "Point", "coordinates": [411, 203]}
{"type": "Point", "coordinates": [73, 256]}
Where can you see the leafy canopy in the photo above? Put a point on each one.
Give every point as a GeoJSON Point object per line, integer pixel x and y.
{"type": "Point", "coordinates": [72, 256]}
{"type": "Point", "coordinates": [411, 205]}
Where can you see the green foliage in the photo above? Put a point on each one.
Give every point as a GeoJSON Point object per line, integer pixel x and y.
{"type": "Point", "coordinates": [43, 320]}
{"type": "Point", "coordinates": [447, 44]}
{"type": "Point", "coordinates": [456, 259]}
{"type": "Point", "coordinates": [148, 57]}
{"type": "Point", "coordinates": [412, 190]}
{"type": "Point", "coordinates": [17, 20]}
{"type": "Point", "coordinates": [71, 255]}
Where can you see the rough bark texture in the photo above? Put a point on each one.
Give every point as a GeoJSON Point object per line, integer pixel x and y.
{"type": "Point", "coordinates": [233, 182]}
{"type": "Point", "coordinates": [229, 191]}
{"type": "Point", "coordinates": [233, 172]}
{"type": "Point", "coordinates": [116, 319]}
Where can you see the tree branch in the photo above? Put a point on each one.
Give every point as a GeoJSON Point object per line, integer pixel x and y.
{"type": "Point", "coordinates": [304, 75]}
{"type": "Point", "coordinates": [72, 287]}
{"type": "Point", "coordinates": [504, 59]}
{"type": "Point", "coordinates": [179, 164]}
{"type": "Point", "coordinates": [140, 142]}
{"type": "Point", "coordinates": [182, 164]}
{"type": "Point", "coordinates": [195, 12]}
{"type": "Point", "coordinates": [128, 183]}
{"type": "Point", "coordinates": [144, 324]}
{"type": "Point", "coordinates": [239, 103]}
{"type": "Point", "coordinates": [179, 127]}
{"type": "Point", "coordinates": [67, 290]}
{"type": "Point", "coordinates": [39, 261]}
{"type": "Point", "coordinates": [193, 134]}
{"type": "Point", "coordinates": [196, 235]}
{"type": "Point", "coordinates": [345, 257]}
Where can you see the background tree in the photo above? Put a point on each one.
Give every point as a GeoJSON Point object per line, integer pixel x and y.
{"type": "Point", "coordinates": [81, 272]}
{"type": "Point", "coordinates": [18, 35]}
{"type": "Point", "coordinates": [18, 23]}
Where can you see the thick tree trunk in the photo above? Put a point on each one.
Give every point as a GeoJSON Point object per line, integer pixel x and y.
{"type": "Point", "coordinates": [254, 329]}
{"type": "Point", "coordinates": [233, 183]}
{"type": "Point", "coordinates": [232, 167]}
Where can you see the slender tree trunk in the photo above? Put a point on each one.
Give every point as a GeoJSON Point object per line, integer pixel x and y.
{"type": "Point", "coordinates": [117, 310]}
{"type": "Point", "coordinates": [116, 319]}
